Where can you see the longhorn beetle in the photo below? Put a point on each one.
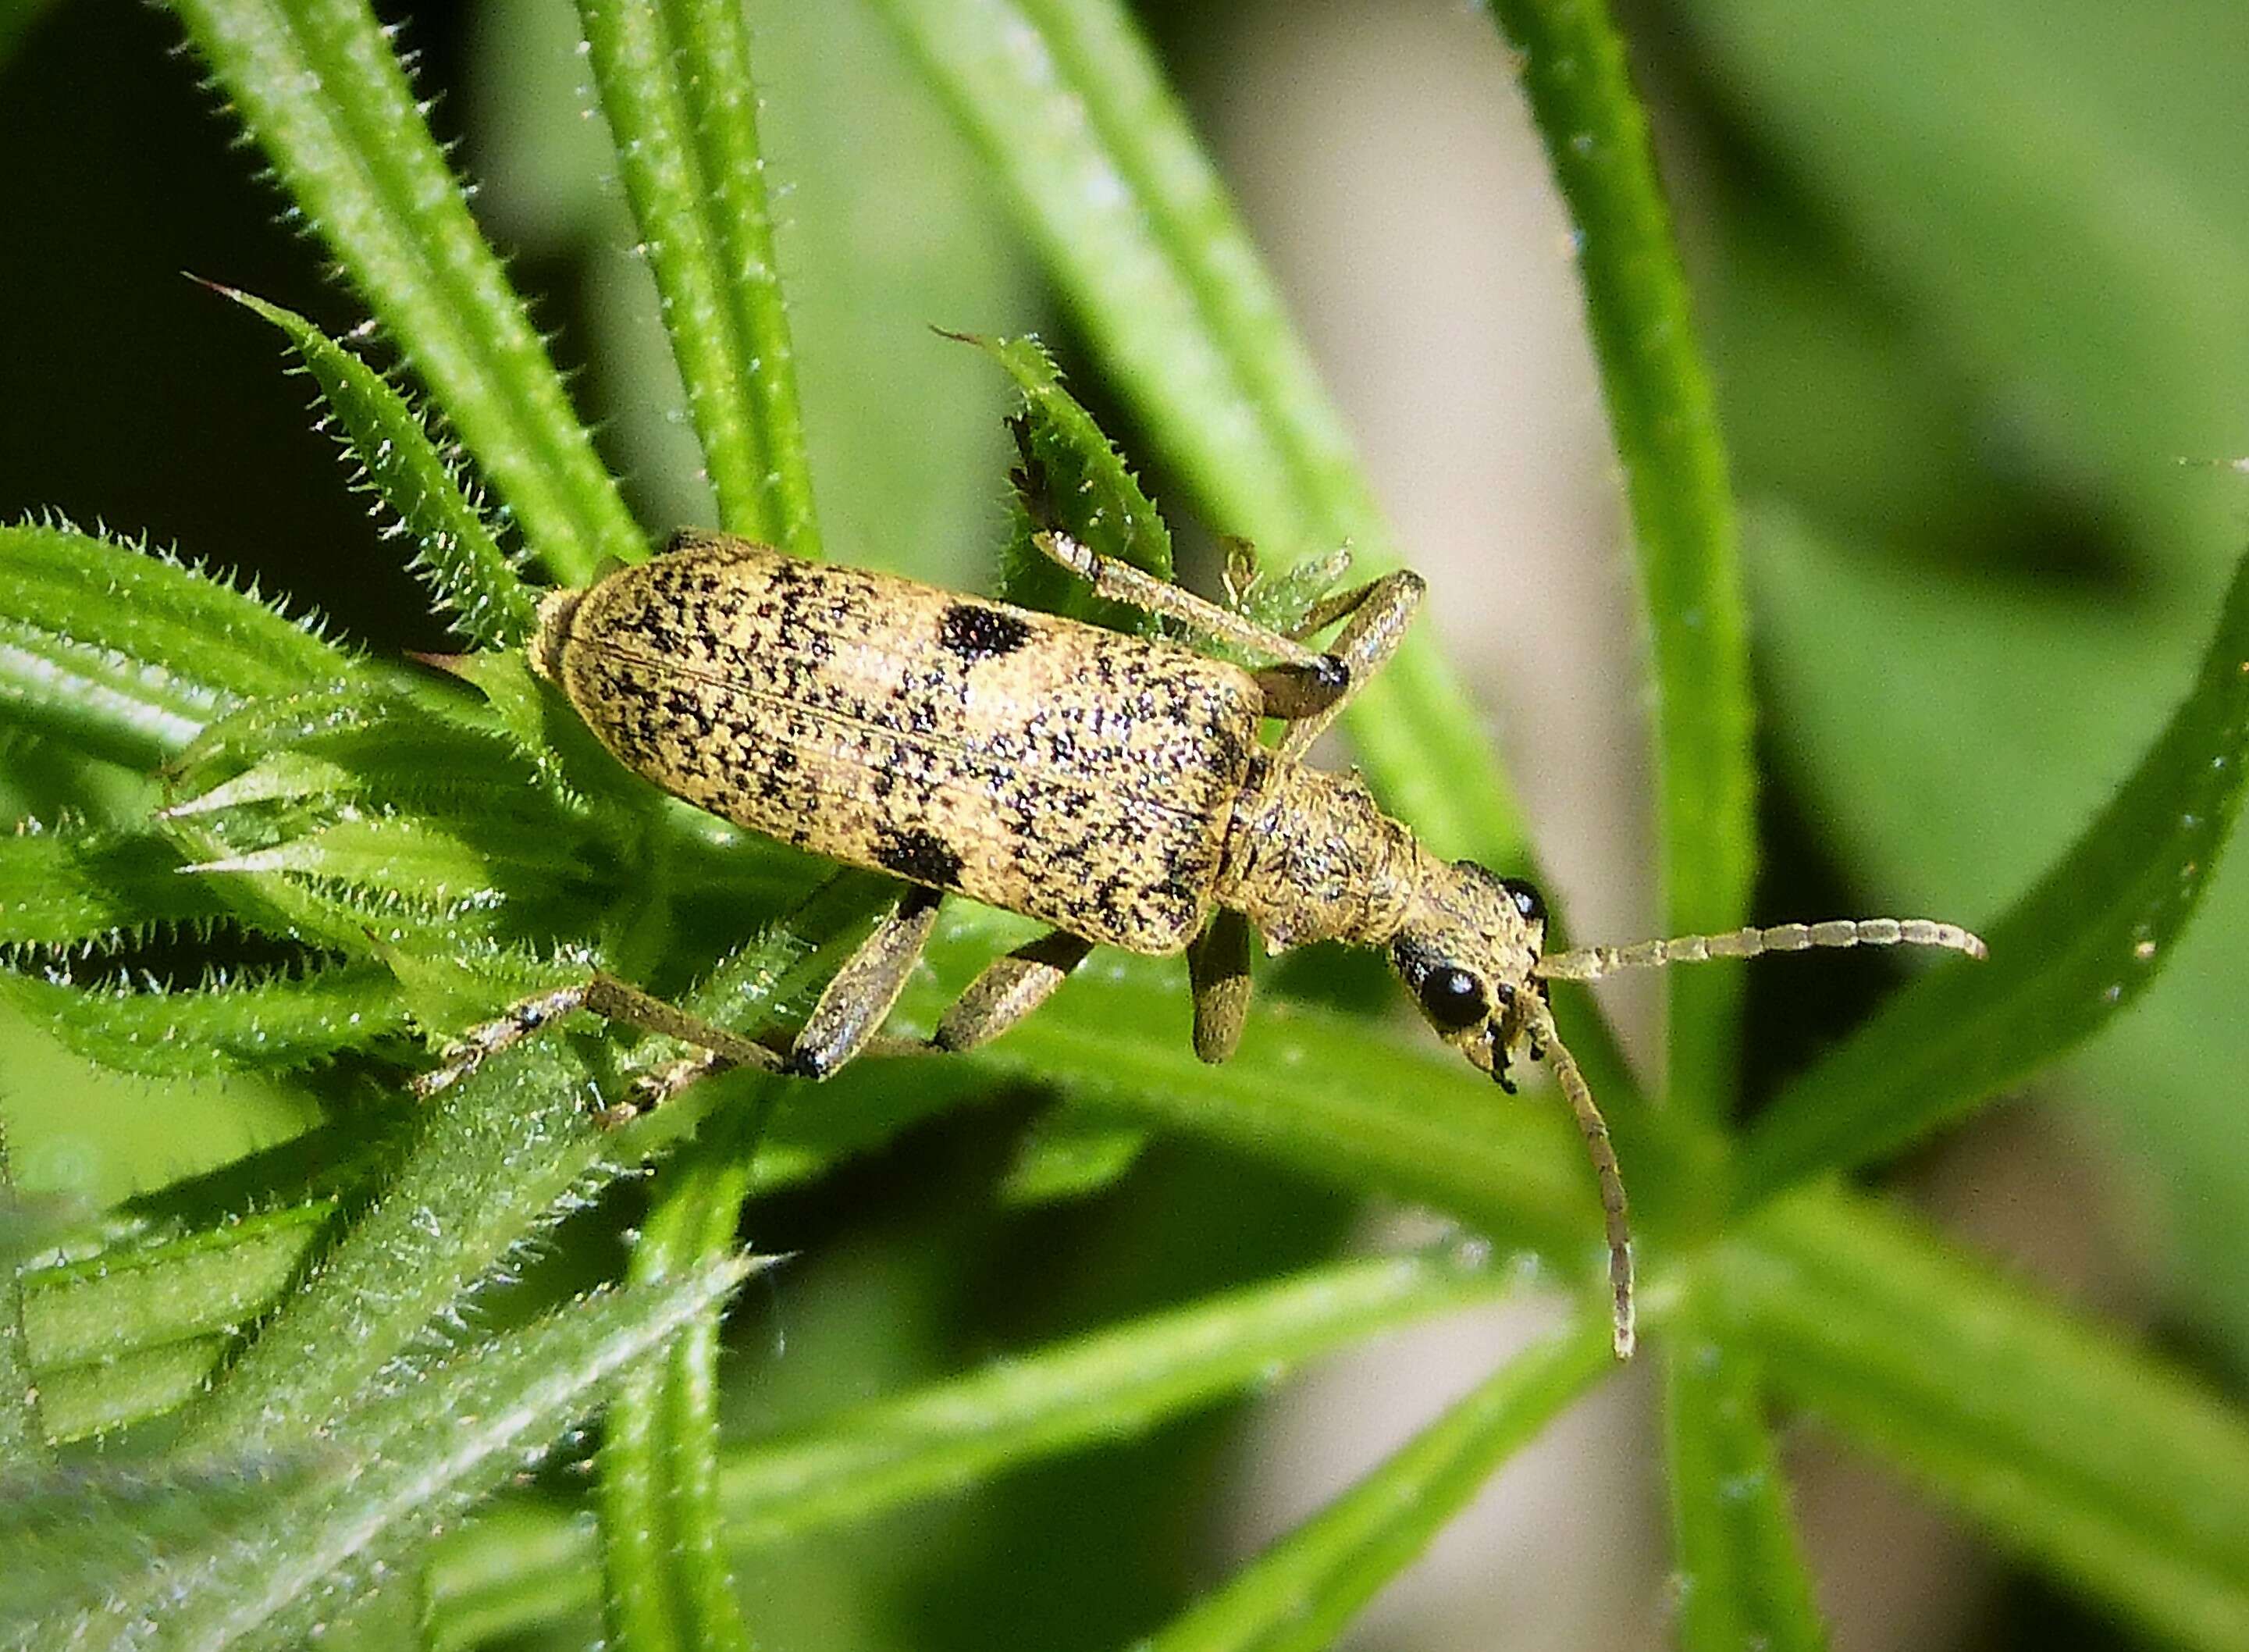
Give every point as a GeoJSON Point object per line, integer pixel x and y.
{"type": "Point", "coordinates": [1112, 786]}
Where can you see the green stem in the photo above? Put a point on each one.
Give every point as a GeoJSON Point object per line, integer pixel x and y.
{"type": "Point", "coordinates": [662, 1547]}
{"type": "Point", "coordinates": [675, 83]}
{"type": "Point", "coordinates": [1741, 1580]}
{"type": "Point", "coordinates": [1664, 419]}
{"type": "Point", "coordinates": [318, 87]}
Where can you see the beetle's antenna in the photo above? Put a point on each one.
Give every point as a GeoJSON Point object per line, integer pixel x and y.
{"type": "Point", "coordinates": [1591, 963]}
{"type": "Point", "coordinates": [1599, 1148]}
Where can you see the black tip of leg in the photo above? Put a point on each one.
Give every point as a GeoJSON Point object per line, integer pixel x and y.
{"type": "Point", "coordinates": [804, 1064]}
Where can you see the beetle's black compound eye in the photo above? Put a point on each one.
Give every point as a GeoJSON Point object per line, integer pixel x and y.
{"type": "Point", "coordinates": [1527, 900]}
{"type": "Point", "coordinates": [1454, 998]}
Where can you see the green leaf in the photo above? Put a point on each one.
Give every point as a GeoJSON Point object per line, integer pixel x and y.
{"type": "Point", "coordinates": [676, 84]}
{"type": "Point", "coordinates": [1113, 1384]}
{"type": "Point", "coordinates": [85, 1402]}
{"type": "Point", "coordinates": [1739, 1572]}
{"type": "Point", "coordinates": [251, 1024]}
{"type": "Point", "coordinates": [1083, 485]}
{"type": "Point", "coordinates": [130, 653]}
{"type": "Point", "coordinates": [317, 87]}
{"type": "Point", "coordinates": [269, 1573]}
{"type": "Point", "coordinates": [504, 1150]}
{"type": "Point", "coordinates": [1664, 419]}
{"type": "Point", "coordinates": [20, 1445]}
{"type": "Point", "coordinates": [129, 1300]}
{"type": "Point", "coordinates": [2084, 942]}
{"type": "Point", "coordinates": [455, 551]}
{"type": "Point", "coordinates": [2121, 1477]}
{"type": "Point", "coordinates": [61, 888]}
{"type": "Point", "coordinates": [1067, 108]}
{"type": "Point", "coordinates": [1069, 1155]}
{"type": "Point", "coordinates": [1298, 1595]}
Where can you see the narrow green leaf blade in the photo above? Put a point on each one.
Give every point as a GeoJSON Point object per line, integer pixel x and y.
{"type": "Point", "coordinates": [1081, 484]}
{"type": "Point", "coordinates": [2083, 942]}
{"type": "Point", "coordinates": [1664, 419]}
{"type": "Point", "coordinates": [1067, 105]}
{"type": "Point", "coordinates": [271, 1023]}
{"type": "Point", "coordinates": [675, 83]}
{"type": "Point", "coordinates": [1300, 1593]}
{"type": "Point", "coordinates": [60, 888]}
{"type": "Point", "coordinates": [1739, 1571]}
{"type": "Point", "coordinates": [496, 1154]}
{"type": "Point", "coordinates": [127, 1301]}
{"type": "Point", "coordinates": [454, 549]}
{"type": "Point", "coordinates": [131, 653]}
{"type": "Point", "coordinates": [1112, 1384]}
{"type": "Point", "coordinates": [2121, 1478]}
{"type": "Point", "coordinates": [318, 87]}
{"type": "Point", "coordinates": [417, 1457]}
{"type": "Point", "coordinates": [20, 1443]}
{"type": "Point", "coordinates": [85, 1402]}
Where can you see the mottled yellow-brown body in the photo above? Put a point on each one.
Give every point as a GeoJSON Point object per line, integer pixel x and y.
{"type": "Point", "coordinates": [1113, 786]}
{"type": "Point", "coordinates": [1071, 774]}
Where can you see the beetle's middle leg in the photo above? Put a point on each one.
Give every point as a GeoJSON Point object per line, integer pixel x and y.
{"type": "Point", "coordinates": [1218, 971]}
{"type": "Point", "coordinates": [1008, 989]}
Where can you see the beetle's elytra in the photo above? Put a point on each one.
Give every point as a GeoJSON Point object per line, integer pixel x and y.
{"type": "Point", "coordinates": [1074, 774]}
{"type": "Point", "coordinates": [1112, 786]}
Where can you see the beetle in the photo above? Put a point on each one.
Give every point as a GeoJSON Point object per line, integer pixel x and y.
{"type": "Point", "coordinates": [1113, 786]}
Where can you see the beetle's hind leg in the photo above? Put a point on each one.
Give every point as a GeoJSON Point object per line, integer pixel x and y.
{"type": "Point", "coordinates": [845, 1023]}
{"type": "Point", "coordinates": [612, 1000]}
{"type": "Point", "coordinates": [841, 1024]}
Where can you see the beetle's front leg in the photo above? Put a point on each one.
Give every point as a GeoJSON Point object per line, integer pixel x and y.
{"type": "Point", "coordinates": [1120, 581]}
{"type": "Point", "coordinates": [1377, 616]}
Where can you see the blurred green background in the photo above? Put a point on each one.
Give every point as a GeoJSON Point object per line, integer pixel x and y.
{"type": "Point", "coordinates": [1974, 280]}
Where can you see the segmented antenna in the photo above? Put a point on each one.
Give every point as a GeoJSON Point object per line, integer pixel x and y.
{"type": "Point", "coordinates": [1599, 1148]}
{"type": "Point", "coordinates": [1591, 963]}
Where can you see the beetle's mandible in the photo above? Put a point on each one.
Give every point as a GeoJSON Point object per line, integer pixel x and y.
{"type": "Point", "coordinates": [1113, 786]}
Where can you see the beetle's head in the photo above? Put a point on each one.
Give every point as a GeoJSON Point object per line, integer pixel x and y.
{"type": "Point", "coordinates": [1468, 954]}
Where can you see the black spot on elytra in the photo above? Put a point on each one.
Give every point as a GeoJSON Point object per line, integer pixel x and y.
{"type": "Point", "coordinates": [981, 633]}
{"type": "Point", "coordinates": [922, 856]}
